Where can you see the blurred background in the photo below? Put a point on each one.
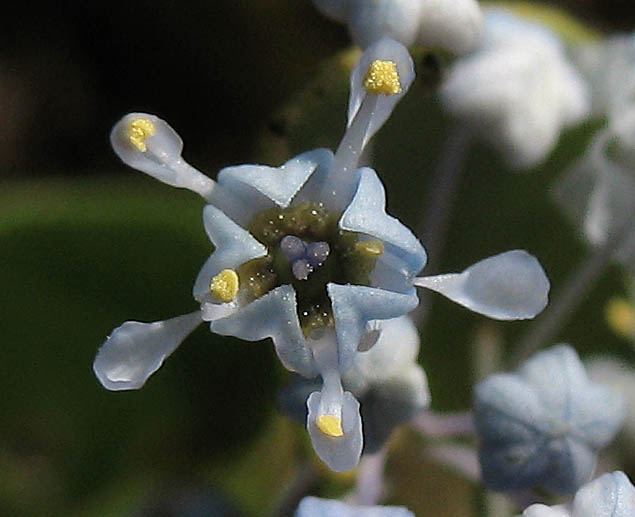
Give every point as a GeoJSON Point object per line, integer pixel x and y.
{"type": "Point", "coordinates": [86, 243]}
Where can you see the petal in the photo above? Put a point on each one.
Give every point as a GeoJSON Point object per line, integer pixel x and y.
{"type": "Point", "coordinates": [610, 495]}
{"type": "Point", "coordinates": [343, 452]}
{"type": "Point", "coordinates": [136, 350]}
{"type": "Point", "coordinates": [572, 464]}
{"type": "Point", "coordinates": [367, 214]}
{"type": "Point", "coordinates": [259, 187]}
{"type": "Point", "coordinates": [508, 286]}
{"type": "Point", "coordinates": [234, 246]}
{"type": "Point", "coordinates": [514, 466]}
{"type": "Point", "coordinates": [354, 305]}
{"type": "Point", "coordinates": [396, 19]}
{"type": "Point", "coordinates": [455, 25]}
{"type": "Point", "coordinates": [507, 410]}
{"type": "Point", "coordinates": [557, 376]}
{"type": "Point", "coordinates": [597, 414]}
{"type": "Point", "coordinates": [272, 315]}
{"type": "Point", "coordinates": [157, 153]}
{"type": "Point", "coordinates": [385, 49]}
{"type": "Point", "coordinates": [316, 507]}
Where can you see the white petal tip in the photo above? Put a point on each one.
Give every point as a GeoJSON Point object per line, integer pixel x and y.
{"type": "Point", "coordinates": [508, 286]}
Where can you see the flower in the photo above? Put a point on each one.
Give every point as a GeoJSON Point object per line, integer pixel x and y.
{"type": "Point", "coordinates": [543, 425]}
{"type": "Point", "coordinates": [597, 192]}
{"type": "Point", "coordinates": [454, 25]}
{"type": "Point", "coordinates": [317, 507]}
{"type": "Point", "coordinates": [610, 495]}
{"type": "Point", "coordinates": [306, 255]}
{"type": "Point", "coordinates": [517, 90]}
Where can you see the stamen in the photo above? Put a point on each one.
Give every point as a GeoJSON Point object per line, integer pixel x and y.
{"type": "Point", "coordinates": [138, 130]}
{"type": "Point", "coordinates": [224, 286]}
{"type": "Point", "coordinates": [330, 425]}
{"type": "Point", "coordinates": [382, 77]}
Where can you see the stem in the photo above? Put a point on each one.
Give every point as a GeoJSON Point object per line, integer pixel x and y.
{"type": "Point", "coordinates": [369, 486]}
{"type": "Point", "coordinates": [434, 226]}
{"type": "Point", "coordinates": [440, 425]}
{"type": "Point", "coordinates": [579, 282]}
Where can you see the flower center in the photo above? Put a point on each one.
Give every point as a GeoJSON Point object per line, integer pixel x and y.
{"type": "Point", "coordinates": [308, 250]}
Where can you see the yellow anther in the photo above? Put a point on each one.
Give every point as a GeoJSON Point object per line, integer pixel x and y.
{"type": "Point", "coordinates": [382, 77]}
{"type": "Point", "coordinates": [225, 285]}
{"type": "Point", "coordinates": [372, 248]}
{"type": "Point", "coordinates": [330, 425]}
{"type": "Point", "coordinates": [621, 317]}
{"type": "Point", "coordinates": [138, 130]}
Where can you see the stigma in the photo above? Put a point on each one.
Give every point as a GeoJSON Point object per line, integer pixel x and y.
{"type": "Point", "coordinates": [224, 286]}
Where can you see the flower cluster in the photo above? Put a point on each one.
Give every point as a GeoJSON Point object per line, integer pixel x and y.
{"type": "Point", "coordinates": [306, 255]}
{"type": "Point", "coordinates": [543, 425]}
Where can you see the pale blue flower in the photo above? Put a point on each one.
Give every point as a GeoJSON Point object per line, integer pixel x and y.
{"type": "Point", "coordinates": [610, 495]}
{"type": "Point", "coordinates": [317, 507]}
{"type": "Point", "coordinates": [306, 255]}
{"type": "Point", "coordinates": [518, 89]}
{"type": "Point", "coordinates": [454, 25]}
{"type": "Point", "coordinates": [543, 425]}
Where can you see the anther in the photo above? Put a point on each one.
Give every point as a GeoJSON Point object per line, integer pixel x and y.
{"type": "Point", "coordinates": [330, 425]}
{"type": "Point", "coordinates": [224, 286]}
{"type": "Point", "coordinates": [138, 130]}
{"type": "Point", "coordinates": [382, 77]}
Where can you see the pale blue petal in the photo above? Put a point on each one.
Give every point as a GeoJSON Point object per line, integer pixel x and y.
{"type": "Point", "coordinates": [316, 507]}
{"type": "Point", "coordinates": [234, 246]}
{"type": "Point", "coordinates": [610, 495]}
{"type": "Point", "coordinates": [506, 409]}
{"type": "Point", "coordinates": [354, 305]}
{"type": "Point", "coordinates": [273, 315]}
{"type": "Point", "coordinates": [367, 214]}
{"type": "Point", "coordinates": [514, 466]}
{"type": "Point", "coordinates": [597, 414]}
{"type": "Point", "coordinates": [508, 286]}
{"type": "Point", "coordinates": [246, 190]}
{"type": "Point", "coordinates": [556, 375]}
{"type": "Point", "coordinates": [397, 19]}
{"type": "Point", "coordinates": [136, 350]}
{"type": "Point", "coordinates": [339, 453]}
{"type": "Point", "coordinates": [572, 464]}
